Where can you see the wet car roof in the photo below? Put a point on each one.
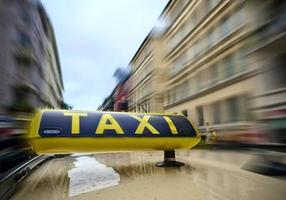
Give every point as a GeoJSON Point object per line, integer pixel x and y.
{"type": "Point", "coordinates": [206, 175]}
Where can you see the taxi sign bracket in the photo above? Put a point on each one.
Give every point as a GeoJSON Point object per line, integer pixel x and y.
{"type": "Point", "coordinates": [169, 160]}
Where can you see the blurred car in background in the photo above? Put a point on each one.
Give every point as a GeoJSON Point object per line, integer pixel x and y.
{"type": "Point", "coordinates": [13, 148]}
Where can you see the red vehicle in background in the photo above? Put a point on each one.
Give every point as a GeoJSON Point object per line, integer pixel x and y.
{"type": "Point", "coordinates": [121, 90]}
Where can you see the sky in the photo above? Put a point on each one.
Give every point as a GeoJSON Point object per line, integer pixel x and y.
{"type": "Point", "coordinates": [95, 37]}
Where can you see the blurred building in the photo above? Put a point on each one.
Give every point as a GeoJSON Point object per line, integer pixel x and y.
{"type": "Point", "coordinates": [195, 65]}
{"type": "Point", "coordinates": [108, 103]}
{"type": "Point", "coordinates": [117, 100]}
{"type": "Point", "coordinates": [121, 91]}
{"type": "Point", "coordinates": [120, 96]}
{"type": "Point", "coordinates": [145, 93]}
{"type": "Point", "coordinates": [220, 62]}
{"type": "Point", "coordinates": [29, 63]}
{"type": "Point", "coordinates": [207, 76]}
{"type": "Point", "coordinates": [267, 53]}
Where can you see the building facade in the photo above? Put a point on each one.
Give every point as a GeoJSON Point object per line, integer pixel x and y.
{"type": "Point", "coordinates": [29, 63]}
{"type": "Point", "coordinates": [208, 78]}
{"type": "Point", "coordinates": [267, 53]}
{"type": "Point", "coordinates": [145, 94]}
{"type": "Point", "coordinates": [214, 61]}
{"type": "Point", "coordinates": [117, 99]}
{"type": "Point", "coordinates": [195, 65]}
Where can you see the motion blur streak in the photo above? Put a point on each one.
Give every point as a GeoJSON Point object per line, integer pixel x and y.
{"type": "Point", "coordinates": [30, 75]}
{"type": "Point", "coordinates": [220, 63]}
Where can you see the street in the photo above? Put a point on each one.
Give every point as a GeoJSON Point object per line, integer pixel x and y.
{"type": "Point", "coordinates": [206, 175]}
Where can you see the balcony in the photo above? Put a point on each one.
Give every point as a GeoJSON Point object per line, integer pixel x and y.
{"type": "Point", "coordinates": [26, 84]}
{"type": "Point", "coordinates": [24, 54]}
{"type": "Point", "coordinates": [272, 34]}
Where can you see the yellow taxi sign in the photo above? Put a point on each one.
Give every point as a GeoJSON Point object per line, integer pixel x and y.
{"type": "Point", "coordinates": [64, 131]}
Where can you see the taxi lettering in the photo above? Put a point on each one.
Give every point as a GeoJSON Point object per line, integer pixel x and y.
{"type": "Point", "coordinates": [75, 121]}
{"type": "Point", "coordinates": [171, 125]}
{"type": "Point", "coordinates": [143, 123]}
{"type": "Point", "coordinates": [102, 126]}
{"type": "Point", "coordinates": [81, 131]}
{"type": "Point", "coordinates": [108, 122]}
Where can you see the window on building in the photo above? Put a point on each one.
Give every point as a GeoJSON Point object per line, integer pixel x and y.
{"type": "Point", "coordinates": [205, 77]}
{"type": "Point", "coordinates": [199, 46]}
{"type": "Point", "coordinates": [168, 97]}
{"type": "Point", "coordinates": [21, 100]}
{"type": "Point", "coordinates": [190, 53]}
{"type": "Point", "coordinates": [25, 71]}
{"type": "Point", "coordinates": [239, 17]}
{"type": "Point", "coordinates": [185, 113]}
{"type": "Point", "coordinates": [199, 80]}
{"type": "Point", "coordinates": [216, 33]}
{"type": "Point", "coordinates": [170, 43]}
{"type": "Point", "coordinates": [195, 49]}
{"type": "Point", "coordinates": [233, 109]}
{"type": "Point", "coordinates": [195, 83]}
{"type": "Point", "coordinates": [26, 16]}
{"type": "Point", "coordinates": [210, 38]}
{"type": "Point", "coordinates": [179, 63]}
{"type": "Point", "coordinates": [214, 73]}
{"type": "Point", "coordinates": [173, 41]}
{"type": "Point", "coordinates": [190, 22]}
{"type": "Point", "coordinates": [174, 98]}
{"type": "Point", "coordinates": [194, 18]}
{"type": "Point", "coordinates": [212, 3]}
{"type": "Point", "coordinates": [179, 7]}
{"type": "Point", "coordinates": [208, 5]}
{"type": "Point", "coordinates": [189, 88]}
{"type": "Point", "coordinates": [179, 92]}
{"type": "Point", "coordinates": [183, 30]}
{"type": "Point", "coordinates": [216, 109]}
{"type": "Point", "coordinates": [220, 70]}
{"type": "Point", "coordinates": [239, 61]}
{"type": "Point", "coordinates": [200, 114]}
{"type": "Point", "coordinates": [229, 66]}
{"type": "Point", "coordinates": [201, 11]}
{"type": "Point", "coordinates": [245, 115]}
{"type": "Point", "coordinates": [225, 27]}
{"type": "Point", "coordinates": [185, 88]}
{"type": "Point", "coordinates": [204, 41]}
{"type": "Point", "coordinates": [148, 105]}
{"type": "Point", "coordinates": [275, 74]}
{"type": "Point", "coordinates": [24, 40]}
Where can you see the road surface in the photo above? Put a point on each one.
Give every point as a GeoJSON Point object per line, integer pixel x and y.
{"type": "Point", "coordinates": [207, 175]}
